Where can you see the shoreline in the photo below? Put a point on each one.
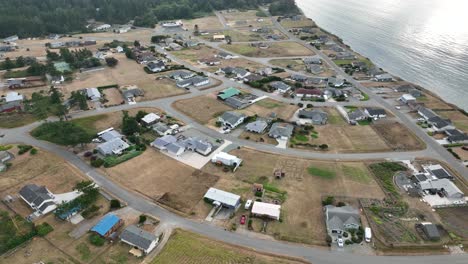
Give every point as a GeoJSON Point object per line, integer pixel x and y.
{"type": "Point", "coordinates": [417, 86]}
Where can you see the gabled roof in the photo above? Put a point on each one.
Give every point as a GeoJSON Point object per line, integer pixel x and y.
{"type": "Point", "coordinates": [232, 117]}
{"type": "Point", "coordinates": [455, 135]}
{"type": "Point", "coordinates": [156, 65]}
{"type": "Point", "coordinates": [162, 142]}
{"type": "Point", "coordinates": [280, 86]}
{"type": "Point", "coordinates": [229, 92]}
{"type": "Point", "coordinates": [175, 147]}
{"type": "Point", "coordinates": [138, 237]}
{"type": "Point", "coordinates": [223, 197]}
{"type": "Point", "coordinates": [113, 145]}
{"type": "Point", "coordinates": [109, 135]}
{"type": "Point", "coordinates": [315, 115]}
{"type": "Point", "coordinates": [426, 112]}
{"type": "Point", "coordinates": [439, 122]}
{"type": "Point", "coordinates": [13, 96]}
{"type": "Point", "coordinates": [281, 130]}
{"type": "Point", "coordinates": [431, 230]}
{"type": "Point", "coordinates": [257, 126]}
{"type": "Point", "coordinates": [151, 117]}
{"type": "Point", "coordinates": [442, 184]}
{"type": "Point", "coordinates": [357, 114]}
{"type": "Point", "coordinates": [105, 224]}
{"type": "Point", "coordinates": [35, 194]}
{"type": "Point", "coordinates": [161, 127]}
{"type": "Point", "coordinates": [375, 111]}
{"type": "Point", "coordinates": [338, 217]}
{"type": "Point", "coordinates": [272, 210]}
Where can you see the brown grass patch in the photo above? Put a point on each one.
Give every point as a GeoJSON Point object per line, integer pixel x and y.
{"type": "Point", "coordinates": [267, 106]}
{"type": "Point", "coordinates": [202, 108]}
{"type": "Point", "coordinates": [458, 118]}
{"type": "Point", "coordinates": [281, 49]}
{"type": "Point", "coordinates": [113, 96]}
{"type": "Point", "coordinates": [397, 136]}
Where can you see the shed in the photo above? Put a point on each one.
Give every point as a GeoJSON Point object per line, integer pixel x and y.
{"type": "Point", "coordinates": [226, 199]}
{"type": "Point", "coordinates": [430, 230]}
{"type": "Point", "coordinates": [266, 209]}
{"type": "Point", "coordinates": [150, 119]}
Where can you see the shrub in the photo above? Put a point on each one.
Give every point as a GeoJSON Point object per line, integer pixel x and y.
{"type": "Point", "coordinates": [329, 200]}
{"type": "Point", "coordinates": [323, 146]}
{"type": "Point", "coordinates": [340, 204]}
{"type": "Point", "coordinates": [114, 204]}
{"type": "Point", "coordinates": [96, 240]}
{"type": "Point", "coordinates": [97, 163]}
{"type": "Point", "coordinates": [44, 229]}
{"type": "Point", "coordinates": [33, 151]}
{"type": "Point", "coordinates": [300, 105]}
{"type": "Point", "coordinates": [249, 224]}
{"type": "Point", "coordinates": [259, 193]}
{"type": "Point", "coordinates": [142, 219]}
{"type": "Point", "coordinates": [90, 211]}
{"type": "Point", "coordinates": [234, 227]}
{"type": "Point", "coordinates": [329, 240]}
{"type": "Point", "coordinates": [88, 154]}
{"type": "Point", "coordinates": [23, 149]}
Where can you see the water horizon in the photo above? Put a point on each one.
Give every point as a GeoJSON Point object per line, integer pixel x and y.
{"type": "Point", "coordinates": [421, 41]}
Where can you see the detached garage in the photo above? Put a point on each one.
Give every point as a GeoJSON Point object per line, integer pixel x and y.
{"type": "Point", "coordinates": [266, 209]}
{"type": "Point", "coordinates": [220, 197]}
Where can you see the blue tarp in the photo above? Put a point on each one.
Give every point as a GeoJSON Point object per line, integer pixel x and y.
{"type": "Point", "coordinates": [105, 224]}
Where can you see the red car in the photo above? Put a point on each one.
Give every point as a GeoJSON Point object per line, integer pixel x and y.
{"type": "Point", "coordinates": [242, 220]}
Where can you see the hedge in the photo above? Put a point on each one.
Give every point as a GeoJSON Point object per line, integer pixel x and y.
{"type": "Point", "coordinates": [111, 161]}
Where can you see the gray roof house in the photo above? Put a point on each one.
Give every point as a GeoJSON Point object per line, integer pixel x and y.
{"type": "Point", "coordinates": [444, 186]}
{"type": "Point", "coordinates": [175, 149]}
{"type": "Point", "coordinates": [314, 68]}
{"type": "Point", "coordinates": [238, 102]}
{"type": "Point", "coordinates": [156, 66]}
{"type": "Point", "coordinates": [373, 112]}
{"type": "Point", "coordinates": [357, 115]}
{"type": "Point", "coordinates": [281, 130]}
{"type": "Point", "coordinates": [180, 75]}
{"type": "Point", "coordinates": [110, 135]}
{"type": "Point", "coordinates": [280, 86]}
{"type": "Point", "coordinates": [336, 82]}
{"type": "Point", "coordinates": [430, 230]}
{"type": "Point", "coordinates": [112, 147]}
{"type": "Point", "coordinates": [223, 198]}
{"type": "Point", "coordinates": [440, 124]}
{"type": "Point", "coordinates": [5, 156]}
{"type": "Point", "coordinates": [143, 240]}
{"type": "Point", "coordinates": [93, 94]}
{"type": "Point", "coordinates": [426, 113]}
{"type": "Point", "coordinates": [201, 146]}
{"type": "Point", "coordinates": [162, 129]}
{"type": "Point", "coordinates": [39, 198]}
{"type": "Point", "coordinates": [231, 119]}
{"type": "Point", "coordinates": [257, 126]}
{"type": "Point", "coordinates": [312, 60]}
{"type": "Point", "coordinates": [340, 219]}
{"type": "Point", "coordinates": [456, 136]}
{"type": "Point", "coordinates": [317, 117]}
{"type": "Point", "coordinates": [162, 142]}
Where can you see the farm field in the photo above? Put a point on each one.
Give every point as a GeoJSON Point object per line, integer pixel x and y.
{"type": "Point", "coordinates": [306, 182]}
{"type": "Point", "coordinates": [187, 247]}
{"type": "Point", "coordinates": [202, 108]}
{"type": "Point", "coordinates": [455, 220]}
{"type": "Point", "coordinates": [281, 49]}
{"type": "Point", "coordinates": [166, 181]}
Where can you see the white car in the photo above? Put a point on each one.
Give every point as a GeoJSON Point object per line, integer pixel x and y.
{"type": "Point", "coordinates": [247, 204]}
{"type": "Point", "coordinates": [398, 107]}
{"type": "Point", "coordinates": [340, 242]}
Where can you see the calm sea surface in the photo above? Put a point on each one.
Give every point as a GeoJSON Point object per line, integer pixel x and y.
{"type": "Point", "coordinates": [422, 41]}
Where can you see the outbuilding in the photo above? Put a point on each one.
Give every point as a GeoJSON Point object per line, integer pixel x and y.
{"type": "Point", "coordinates": [226, 199]}
{"type": "Point", "coordinates": [266, 209]}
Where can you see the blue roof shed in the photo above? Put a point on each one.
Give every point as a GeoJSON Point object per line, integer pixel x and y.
{"type": "Point", "coordinates": [106, 224]}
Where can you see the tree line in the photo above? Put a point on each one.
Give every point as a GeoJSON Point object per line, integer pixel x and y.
{"type": "Point", "coordinates": [31, 18]}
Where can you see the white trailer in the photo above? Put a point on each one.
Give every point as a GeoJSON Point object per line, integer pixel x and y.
{"type": "Point", "coordinates": [367, 234]}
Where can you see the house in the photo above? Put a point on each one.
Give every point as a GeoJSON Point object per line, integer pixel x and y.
{"type": "Point", "coordinates": [39, 198]}
{"type": "Point", "coordinates": [226, 159]}
{"type": "Point", "coordinates": [56, 45]}
{"type": "Point", "coordinates": [426, 113]}
{"type": "Point", "coordinates": [13, 97]}
{"type": "Point", "coordinates": [341, 219]}
{"type": "Point", "coordinates": [265, 71]}
{"type": "Point", "coordinates": [269, 210]}
{"type": "Point", "coordinates": [93, 94]}
{"type": "Point", "coordinates": [407, 98]}
{"type": "Point", "coordinates": [139, 238]}
{"type": "Point", "coordinates": [156, 66]}
{"type": "Point", "coordinates": [11, 39]}
{"type": "Point", "coordinates": [219, 37]}
{"type": "Point", "coordinates": [150, 119]}
{"type": "Point", "coordinates": [316, 117]}
{"type": "Point", "coordinates": [357, 115]}
{"type": "Point", "coordinates": [57, 79]}
{"type": "Point", "coordinates": [437, 172]}
{"type": "Point", "coordinates": [162, 142]}
{"type": "Point", "coordinates": [240, 73]}
{"type": "Point", "coordinates": [181, 75]}
{"type": "Point", "coordinates": [456, 136]}
{"type": "Point", "coordinates": [145, 57]}
{"type": "Point", "coordinates": [443, 187]}
{"type": "Point", "coordinates": [298, 78]}
{"type": "Point", "coordinates": [225, 56]}
{"type": "Point", "coordinates": [332, 92]}
{"type": "Point", "coordinates": [336, 82]}
{"type": "Point", "coordinates": [281, 130]}
{"type": "Point", "coordinates": [6, 48]}
{"type": "Point", "coordinates": [196, 81]}
{"type": "Point", "coordinates": [253, 78]}
{"type": "Point", "coordinates": [312, 60]}
{"type": "Point", "coordinates": [375, 113]}
{"type": "Point", "coordinates": [109, 134]}
{"type": "Point", "coordinates": [119, 49]}
{"type": "Point", "coordinates": [5, 156]}
{"type": "Point", "coordinates": [430, 230]}
{"type": "Point", "coordinates": [174, 46]}
{"type": "Point", "coordinates": [222, 198]}
{"type": "Point", "coordinates": [440, 124]}
{"type": "Point", "coordinates": [238, 102]}
{"type": "Point", "coordinates": [280, 86]}
{"type": "Point", "coordinates": [53, 36]}
{"type": "Point", "coordinates": [13, 103]}
{"type": "Point", "coordinates": [344, 55]}
{"type": "Point", "coordinates": [231, 119]}
{"type": "Point", "coordinates": [112, 147]}
{"type": "Point", "coordinates": [209, 61]}
{"type": "Point", "coordinates": [198, 145]}
{"type": "Point", "coordinates": [102, 27]}
{"type": "Point", "coordinates": [175, 149]}
{"type": "Point", "coordinates": [415, 93]}
{"type": "Point", "coordinates": [162, 129]}
{"type": "Point", "coordinates": [227, 93]}
{"type": "Point", "coordinates": [360, 65]}
{"type": "Point", "coordinates": [131, 93]}
{"type": "Point", "coordinates": [123, 29]}
{"type": "Point", "coordinates": [258, 126]}
{"type": "Point", "coordinates": [383, 77]}
{"type": "Point", "coordinates": [314, 82]}
{"type": "Point", "coordinates": [314, 68]}
{"type": "Point", "coordinates": [308, 93]}
{"type": "Point", "coordinates": [107, 225]}
{"type": "Point", "coordinates": [172, 24]}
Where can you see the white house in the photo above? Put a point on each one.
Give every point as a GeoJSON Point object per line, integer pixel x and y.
{"type": "Point", "coordinates": [266, 209]}
{"type": "Point", "coordinates": [220, 197]}
{"type": "Point", "coordinates": [93, 94]}
{"type": "Point", "coordinates": [39, 198]}
{"type": "Point", "coordinates": [13, 97]}
{"type": "Point", "coordinates": [407, 98]}
{"type": "Point", "coordinates": [102, 27]}
{"type": "Point", "coordinates": [150, 119]}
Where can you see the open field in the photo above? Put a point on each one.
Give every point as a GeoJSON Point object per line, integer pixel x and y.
{"type": "Point", "coordinates": [166, 181]}
{"type": "Point", "coordinates": [459, 119]}
{"type": "Point", "coordinates": [187, 247]}
{"type": "Point", "coordinates": [288, 23]}
{"type": "Point", "coordinates": [280, 49]}
{"type": "Point", "coordinates": [455, 220]}
{"type": "Point", "coordinates": [204, 23]}
{"type": "Point", "coordinates": [245, 19]}
{"type": "Point", "coordinates": [43, 169]}
{"type": "Point", "coordinates": [112, 96]}
{"type": "Point", "coordinates": [433, 102]}
{"type": "Point", "coordinates": [265, 107]}
{"type": "Point", "coordinates": [302, 210]}
{"type": "Point", "coordinates": [202, 108]}
{"type": "Point", "coordinates": [14, 119]}
{"type": "Point", "coordinates": [296, 64]}
{"type": "Point", "coordinates": [397, 136]}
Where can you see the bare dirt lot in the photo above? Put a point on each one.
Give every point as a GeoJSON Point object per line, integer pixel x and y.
{"type": "Point", "coordinates": [281, 49]}
{"type": "Point", "coordinates": [302, 210]}
{"type": "Point", "coordinates": [112, 96]}
{"type": "Point", "coordinates": [202, 108]}
{"type": "Point", "coordinates": [397, 136]}
{"type": "Point", "coordinates": [265, 107]}
{"type": "Point", "coordinates": [163, 180]}
{"type": "Point", "coordinates": [433, 102]}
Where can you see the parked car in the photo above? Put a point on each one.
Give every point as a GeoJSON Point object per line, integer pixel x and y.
{"type": "Point", "coordinates": [398, 107]}
{"type": "Point", "coordinates": [242, 220]}
{"type": "Point", "coordinates": [248, 204]}
{"type": "Point", "coordinates": [340, 242]}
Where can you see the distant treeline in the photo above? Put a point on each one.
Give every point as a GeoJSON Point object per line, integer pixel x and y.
{"type": "Point", "coordinates": [29, 18]}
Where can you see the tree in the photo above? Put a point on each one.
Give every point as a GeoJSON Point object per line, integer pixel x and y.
{"type": "Point", "coordinates": [62, 133]}
{"type": "Point", "coordinates": [129, 124]}
{"type": "Point", "coordinates": [112, 62]}
{"type": "Point", "coordinates": [9, 64]}
{"type": "Point", "coordinates": [115, 204]}
{"type": "Point", "coordinates": [78, 98]}
{"type": "Point", "coordinates": [52, 56]}
{"type": "Point", "coordinates": [140, 115]}
{"type": "Point", "coordinates": [196, 30]}
{"type": "Point", "coordinates": [136, 43]}
{"type": "Point", "coordinates": [55, 95]}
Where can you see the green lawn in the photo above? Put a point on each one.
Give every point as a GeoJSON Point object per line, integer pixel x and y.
{"type": "Point", "coordinates": [12, 120]}
{"type": "Point", "coordinates": [365, 122]}
{"type": "Point", "coordinates": [302, 138]}
{"type": "Point", "coordinates": [342, 62]}
{"type": "Point", "coordinates": [358, 174]}
{"type": "Point", "coordinates": [88, 122]}
{"type": "Point", "coordinates": [366, 97]}
{"type": "Point", "coordinates": [14, 230]}
{"type": "Point", "coordinates": [322, 173]}
{"type": "Point", "coordinates": [85, 252]}
{"type": "Point", "coordinates": [269, 104]}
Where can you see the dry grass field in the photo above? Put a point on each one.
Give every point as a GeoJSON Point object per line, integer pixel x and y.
{"type": "Point", "coordinates": [187, 247]}
{"type": "Point", "coordinates": [397, 136]}
{"type": "Point", "coordinates": [12, 120]}
{"type": "Point", "coordinates": [280, 49]}
{"type": "Point", "coordinates": [245, 19]}
{"type": "Point", "coordinates": [163, 180]}
{"type": "Point", "coordinates": [43, 168]}
{"type": "Point", "coordinates": [202, 108]}
{"type": "Point", "coordinates": [204, 23]}
{"type": "Point", "coordinates": [267, 106]}
{"type": "Point", "coordinates": [288, 23]}
{"type": "Point", "coordinates": [433, 102]}
{"type": "Point", "coordinates": [458, 118]}
{"type": "Point", "coordinates": [298, 65]}
{"type": "Point", "coordinates": [113, 96]}
{"type": "Point", "coordinates": [302, 211]}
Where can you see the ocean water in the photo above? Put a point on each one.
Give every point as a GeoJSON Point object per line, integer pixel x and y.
{"type": "Point", "coordinates": [421, 41]}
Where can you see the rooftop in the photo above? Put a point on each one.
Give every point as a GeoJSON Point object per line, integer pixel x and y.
{"type": "Point", "coordinates": [223, 197]}
{"type": "Point", "coordinates": [105, 224]}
